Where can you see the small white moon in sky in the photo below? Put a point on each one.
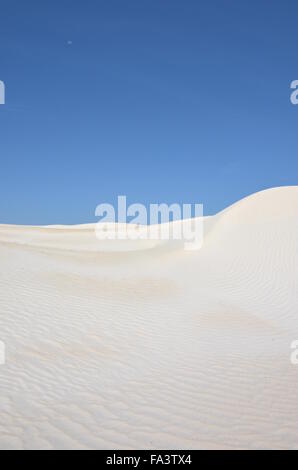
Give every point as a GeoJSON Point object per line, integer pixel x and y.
{"type": "Point", "coordinates": [69, 43]}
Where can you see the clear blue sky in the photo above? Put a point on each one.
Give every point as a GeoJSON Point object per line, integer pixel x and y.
{"type": "Point", "coordinates": [161, 100]}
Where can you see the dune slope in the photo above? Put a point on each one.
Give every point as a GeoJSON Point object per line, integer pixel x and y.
{"type": "Point", "coordinates": [153, 348]}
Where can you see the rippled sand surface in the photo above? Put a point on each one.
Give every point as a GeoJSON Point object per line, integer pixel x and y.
{"type": "Point", "coordinates": [157, 347]}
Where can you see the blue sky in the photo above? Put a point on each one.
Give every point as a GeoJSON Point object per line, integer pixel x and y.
{"type": "Point", "coordinates": [161, 100]}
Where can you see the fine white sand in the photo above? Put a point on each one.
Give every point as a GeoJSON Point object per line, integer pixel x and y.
{"type": "Point", "coordinates": [153, 348]}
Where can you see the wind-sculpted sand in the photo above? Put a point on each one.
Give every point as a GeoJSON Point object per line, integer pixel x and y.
{"type": "Point", "coordinates": [157, 347]}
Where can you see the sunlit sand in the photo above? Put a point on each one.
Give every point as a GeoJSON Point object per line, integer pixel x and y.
{"type": "Point", "coordinates": [153, 347]}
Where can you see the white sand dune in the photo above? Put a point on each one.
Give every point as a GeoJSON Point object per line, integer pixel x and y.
{"type": "Point", "coordinates": [153, 348]}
